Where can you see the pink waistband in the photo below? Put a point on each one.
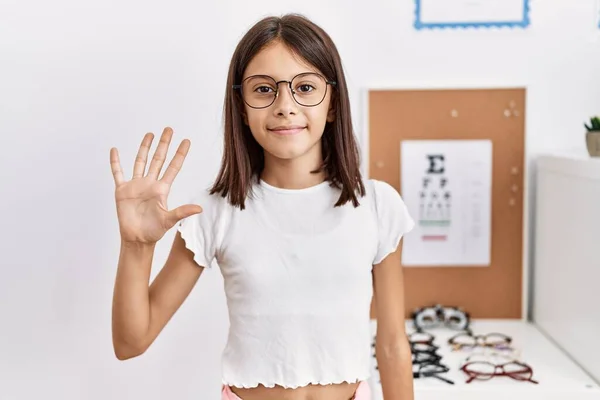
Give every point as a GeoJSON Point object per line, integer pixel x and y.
{"type": "Point", "coordinates": [363, 392]}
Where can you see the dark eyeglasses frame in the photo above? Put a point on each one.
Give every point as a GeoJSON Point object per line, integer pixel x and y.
{"type": "Point", "coordinates": [289, 84]}
{"type": "Point", "coordinates": [423, 357]}
{"type": "Point", "coordinates": [424, 371]}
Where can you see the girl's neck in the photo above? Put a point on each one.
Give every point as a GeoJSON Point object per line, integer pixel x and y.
{"type": "Point", "coordinates": [291, 174]}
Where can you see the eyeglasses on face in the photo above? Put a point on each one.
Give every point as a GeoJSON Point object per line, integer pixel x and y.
{"type": "Point", "coordinates": [260, 91]}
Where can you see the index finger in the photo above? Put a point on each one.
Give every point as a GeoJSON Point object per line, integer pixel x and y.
{"type": "Point", "coordinates": [177, 162]}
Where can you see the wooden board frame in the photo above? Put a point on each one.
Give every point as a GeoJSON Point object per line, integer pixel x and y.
{"type": "Point", "coordinates": [363, 135]}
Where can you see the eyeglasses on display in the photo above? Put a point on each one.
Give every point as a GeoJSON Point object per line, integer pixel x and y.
{"type": "Point", "coordinates": [436, 316]}
{"type": "Point", "coordinates": [486, 367]}
{"type": "Point", "coordinates": [467, 340]}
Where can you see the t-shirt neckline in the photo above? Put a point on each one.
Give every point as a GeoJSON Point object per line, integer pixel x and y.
{"type": "Point", "coordinates": [309, 189]}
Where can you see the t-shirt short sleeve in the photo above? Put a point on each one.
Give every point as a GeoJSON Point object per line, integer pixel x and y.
{"type": "Point", "coordinates": [202, 232]}
{"type": "Point", "coordinates": [393, 219]}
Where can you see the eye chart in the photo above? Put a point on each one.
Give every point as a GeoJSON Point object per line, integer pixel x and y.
{"type": "Point", "coordinates": [446, 185]}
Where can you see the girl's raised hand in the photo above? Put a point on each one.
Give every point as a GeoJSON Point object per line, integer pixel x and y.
{"type": "Point", "coordinates": [142, 202]}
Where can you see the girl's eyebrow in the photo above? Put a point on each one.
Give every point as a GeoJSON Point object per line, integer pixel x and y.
{"type": "Point", "coordinates": [290, 77]}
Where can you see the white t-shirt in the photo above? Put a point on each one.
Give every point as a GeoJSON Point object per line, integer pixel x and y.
{"type": "Point", "coordinates": [297, 277]}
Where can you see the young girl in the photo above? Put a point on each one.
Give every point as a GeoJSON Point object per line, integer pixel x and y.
{"type": "Point", "coordinates": [303, 242]}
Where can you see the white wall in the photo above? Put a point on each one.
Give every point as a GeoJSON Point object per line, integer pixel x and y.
{"type": "Point", "coordinates": [80, 77]}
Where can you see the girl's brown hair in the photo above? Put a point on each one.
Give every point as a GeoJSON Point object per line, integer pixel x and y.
{"type": "Point", "coordinates": [243, 157]}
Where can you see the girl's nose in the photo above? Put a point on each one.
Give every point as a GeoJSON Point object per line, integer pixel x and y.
{"type": "Point", "coordinates": [285, 103]}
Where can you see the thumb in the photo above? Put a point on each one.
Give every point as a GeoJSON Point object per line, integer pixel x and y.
{"type": "Point", "coordinates": [182, 212]}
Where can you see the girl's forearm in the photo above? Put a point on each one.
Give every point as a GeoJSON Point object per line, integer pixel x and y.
{"type": "Point", "coordinates": [131, 304]}
{"type": "Point", "coordinates": [395, 370]}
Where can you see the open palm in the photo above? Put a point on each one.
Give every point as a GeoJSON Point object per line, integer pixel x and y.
{"type": "Point", "coordinates": [142, 202]}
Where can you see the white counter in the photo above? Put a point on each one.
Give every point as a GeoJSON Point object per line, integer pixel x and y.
{"type": "Point", "coordinates": [566, 272]}
{"type": "Point", "coordinates": [559, 378]}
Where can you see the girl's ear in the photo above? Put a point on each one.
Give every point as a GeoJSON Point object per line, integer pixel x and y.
{"type": "Point", "coordinates": [331, 113]}
{"type": "Point", "coordinates": [242, 108]}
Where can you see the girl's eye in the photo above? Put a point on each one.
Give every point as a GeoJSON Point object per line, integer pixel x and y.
{"type": "Point", "coordinates": [263, 89]}
{"type": "Point", "coordinates": [305, 88]}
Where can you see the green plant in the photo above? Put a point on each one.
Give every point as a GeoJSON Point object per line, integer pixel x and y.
{"type": "Point", "coordinates": [594, 124]}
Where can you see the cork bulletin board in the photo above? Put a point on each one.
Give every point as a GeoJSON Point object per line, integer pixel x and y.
{"type": "Point", "coordinates": [498, 115]}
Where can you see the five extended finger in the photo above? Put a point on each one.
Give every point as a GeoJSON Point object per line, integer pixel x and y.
{"type": "Point", "coordinates": [182, 212]}
{"type": "Point", "coordinates": [139, 165]}
{"type": "Point", "coordinates": [177, 162]}
{"type": "Point", "coordinates": [160, 154]}
{"type": "Point", "coordinates": [115, 166]}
